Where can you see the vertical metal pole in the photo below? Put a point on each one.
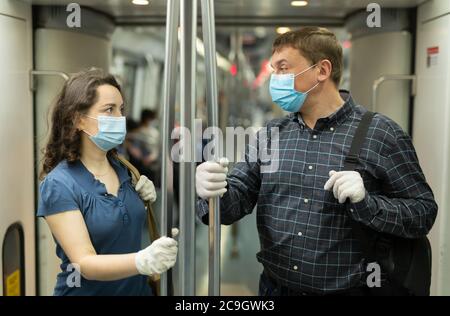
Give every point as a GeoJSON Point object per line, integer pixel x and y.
{"type": "Point", "coordinates": [186, 256]}
{"type": "Point", "coordinates": [208, 25]}
{"type": "Point", "coordinates": [170, 85]}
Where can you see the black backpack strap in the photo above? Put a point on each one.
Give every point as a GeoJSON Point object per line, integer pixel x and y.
{"type": "Point", "coordinates": [350, 163]}
{"type": "Point", "coordinates": [352, 159]}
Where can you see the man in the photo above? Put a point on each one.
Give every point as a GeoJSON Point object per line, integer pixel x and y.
{"type": "Point", "coordinates": [305, 208]}
{"type": "Point", "coordinates": [148, 135]}
{"type": "Point", "coordinates": [149, 132]}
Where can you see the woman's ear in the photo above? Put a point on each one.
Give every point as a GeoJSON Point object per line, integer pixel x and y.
{"type": "Point", "coordinates": [80, 122]}
{"type": "Point", "coordinates": [325, 68]}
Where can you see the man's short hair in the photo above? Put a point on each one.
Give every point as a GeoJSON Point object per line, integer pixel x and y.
{"type": "Point", "coordinates": [132, 125]}
{"type": "Point", "coordinates": [147, 115]}
{"type": "Point", "coordinates": [315, 44]}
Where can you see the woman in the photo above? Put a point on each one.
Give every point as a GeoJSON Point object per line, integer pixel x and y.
{"type": "Point", "coordinates": [87, 199]}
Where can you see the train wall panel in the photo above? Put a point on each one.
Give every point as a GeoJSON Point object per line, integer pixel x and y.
{"type": "Point", "coordinates": [16, 132]}
{"type": "Point", "coordinates": [431, 126]}
{"type": "Point", "coordinates": [381, 54]}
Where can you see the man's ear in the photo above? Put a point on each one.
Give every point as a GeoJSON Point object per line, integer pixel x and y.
{"type": "Point", "coordinates": [325, 69]}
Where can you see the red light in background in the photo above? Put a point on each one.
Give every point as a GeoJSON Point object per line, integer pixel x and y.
{"type": "Point", "coordinates": [233, 70]}
{"type": "Point", "coordinates": [264, 73]}
{"type": "Point", "coordinates": [347, 44]}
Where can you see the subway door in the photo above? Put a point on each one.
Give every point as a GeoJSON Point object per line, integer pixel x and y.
{"type": "Point", "coordinates": [60, 48]}
{"type": "Point", "coordinates": [431, 126]}
{"type": "Point", "coordinates": [17, 244]}
{"type": "Point", "coordinates": [382, 51]}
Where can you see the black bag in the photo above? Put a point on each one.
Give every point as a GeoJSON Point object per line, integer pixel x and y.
{"type": "Point", "coordinates": [406, 262]}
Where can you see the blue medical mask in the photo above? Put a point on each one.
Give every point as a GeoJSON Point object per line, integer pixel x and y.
{"type": "Point", "coordinates": [282, 90]}
{"type": "Point", "coordinates": [111, 132]}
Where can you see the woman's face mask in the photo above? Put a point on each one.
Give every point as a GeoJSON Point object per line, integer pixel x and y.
{"type": "Point", "coordinates": [282, 90]}
{"type": "Point", "coordinates": [111, 132]}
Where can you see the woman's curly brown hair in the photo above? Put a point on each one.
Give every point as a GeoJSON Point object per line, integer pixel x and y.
{"type": "Point", "coordinates": [76, 97]}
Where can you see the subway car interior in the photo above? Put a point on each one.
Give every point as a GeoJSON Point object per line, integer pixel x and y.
{"type": "Point", "coordinates": [200, 63]}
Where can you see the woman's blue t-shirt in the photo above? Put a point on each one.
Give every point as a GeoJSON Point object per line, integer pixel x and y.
{"type": "Point", "coordinates": [114, 224]}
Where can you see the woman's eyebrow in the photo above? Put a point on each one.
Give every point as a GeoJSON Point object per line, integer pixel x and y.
{"type": "Point", "coordinates": [110, 104]}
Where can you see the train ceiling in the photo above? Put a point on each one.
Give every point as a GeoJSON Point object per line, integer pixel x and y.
{"type": "Point", "coordinates": [239, 12]}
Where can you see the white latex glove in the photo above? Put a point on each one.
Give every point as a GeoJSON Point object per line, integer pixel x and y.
{"type": "Point", "coordinates": [210, 178]}
{"type": "Point", "coordinates": [146, 189]}
{"type": "Point", "coordinates": [159, 257]}
{"type": "Point", "coordinates": [346, 184]}
{"type": "Point", "coordinates": [175, 232]}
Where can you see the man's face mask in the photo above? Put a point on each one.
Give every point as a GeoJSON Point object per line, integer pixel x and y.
{"type": "Point", "coordinates": [282, 90]}
{"type": "Point", "coordinates": [111, 132]}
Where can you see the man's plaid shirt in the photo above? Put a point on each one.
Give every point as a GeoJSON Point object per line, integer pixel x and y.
{"type": "Point", "coordinates": [305, 234]}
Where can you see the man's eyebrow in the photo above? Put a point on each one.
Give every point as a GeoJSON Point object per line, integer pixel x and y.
{"type": "Point", "coordinates": [278, 62]}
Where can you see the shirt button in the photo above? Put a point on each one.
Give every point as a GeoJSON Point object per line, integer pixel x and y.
{"type": "Point", "coordinates": [306, 200]}
{"type": "Point", "coordinates": [310, 167]}
{"type": "Point", "coordinates": [300, 234]}
{"type": "Point", "coordinates": [295, 267]}
{"type": "Point", "coordinates": [331, 128]}
{"type": "Point", "coordinates": [315, 136]}
{"type": "Point", "coordinates": [351, 210]}
{"type": "Point", "coordinates": [120, 204]}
